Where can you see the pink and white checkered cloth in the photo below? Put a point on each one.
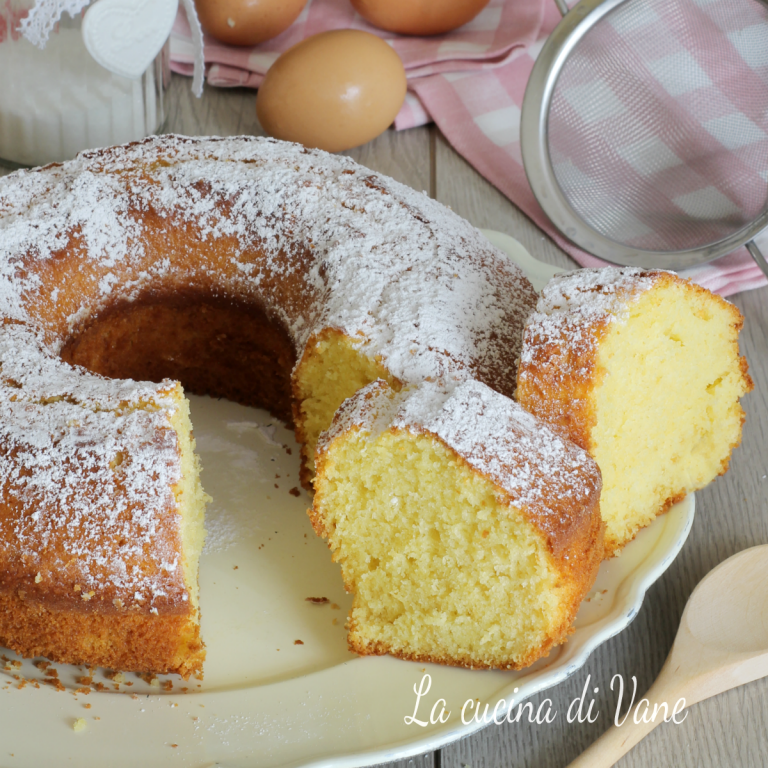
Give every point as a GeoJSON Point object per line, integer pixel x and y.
{"type": "Point", "coordinates": [470, 82]}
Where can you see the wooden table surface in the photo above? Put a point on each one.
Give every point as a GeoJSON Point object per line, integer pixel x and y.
{"type": "Point", "coordinates": [731, 514]}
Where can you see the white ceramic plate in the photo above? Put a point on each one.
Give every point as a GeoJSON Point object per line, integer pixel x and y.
{"type": "Point", "coordinates": [267, 700]}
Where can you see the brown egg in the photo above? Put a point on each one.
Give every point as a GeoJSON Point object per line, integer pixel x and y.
{"type": "Point", "coordinates": [333, 91]}
{"type": "Point", "coordinates": [419, 17]}
{"type": "Point", "coordinates": [247, 22]}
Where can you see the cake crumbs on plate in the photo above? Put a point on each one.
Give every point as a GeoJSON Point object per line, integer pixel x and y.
{"type": "Point", "coordinates": [317, 600]}
{"type": "Point", "coordinates": [79, 725]}
{"type": "Point", "coordinates": [54, 682]}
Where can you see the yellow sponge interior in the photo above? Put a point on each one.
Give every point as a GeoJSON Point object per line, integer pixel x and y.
{"type": "Point", "coordinates": [191, 501]}
{"type": "Point", "coordinates": [332, 370]}
{"type": "Point", "coordinates": [440, 568]}
{"type": "Point", "coordinates": [667, 408]}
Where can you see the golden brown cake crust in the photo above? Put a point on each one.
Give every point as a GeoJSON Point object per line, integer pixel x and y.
{"type": "Point", "coordinates": [118, 641]}
{"type": "Point", "coordinates": [107, 244]}
{"type": "Point", "coordinates": [88, 468]}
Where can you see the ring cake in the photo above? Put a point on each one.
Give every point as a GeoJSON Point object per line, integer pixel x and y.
{"type": "Point", "coordinates": [467, 530]}
{"type": "Point", "coordinates": [642, 369]}
{"type": "Point", "coordinates": [249, 269]}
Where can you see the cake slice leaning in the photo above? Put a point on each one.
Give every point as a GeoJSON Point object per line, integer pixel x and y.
{"type": "Point", "coordinates": [642, 369]}
{"type": "Point", "coordinates": [101, 519]}
{"type": "Point", "coordinates": [468, 532]}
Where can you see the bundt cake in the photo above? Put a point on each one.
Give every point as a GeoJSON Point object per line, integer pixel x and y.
{"type": "Point", "coordinates": [467, 530]}
{"type": "Point", "coordinates": [245, 268]}
{"type": "Point", "coordinates": [642, 369]}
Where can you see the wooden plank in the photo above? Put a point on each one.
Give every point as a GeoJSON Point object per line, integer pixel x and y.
{"type": "Point", "coordinates": [403, 155]}
{"type": "Point", "coordinates": [220, 111]}
{"type": "Point", "coordinates": [732, 514]}
{"type": "Point", "coordinates": [422, 761]}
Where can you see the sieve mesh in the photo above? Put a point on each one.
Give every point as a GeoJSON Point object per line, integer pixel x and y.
{"type": "Point", "coordinates": [658, 123]}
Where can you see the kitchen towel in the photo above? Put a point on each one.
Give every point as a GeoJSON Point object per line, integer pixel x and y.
{"type": "Point", "coordinates": [470, 82]}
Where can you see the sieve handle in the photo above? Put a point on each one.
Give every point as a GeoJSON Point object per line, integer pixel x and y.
{"type": "Point", "coordinates": [562, 6]}
{"type": "Point", "coordinates": [757, 255]}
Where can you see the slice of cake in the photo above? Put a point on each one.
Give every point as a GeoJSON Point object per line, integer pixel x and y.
{"type": "Point", "coordinates": [101, 515]}
{"type": "Point", "coordinates": [642, 369]}
{"type": "Point", "coordinates": [467, 530]}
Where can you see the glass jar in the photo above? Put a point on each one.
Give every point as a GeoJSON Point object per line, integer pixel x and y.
{"type": "Point", "coordinates": [58, 101]}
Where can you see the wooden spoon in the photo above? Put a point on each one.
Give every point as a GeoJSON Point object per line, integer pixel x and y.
{"type": "Point", "coordinates": [722, 643]}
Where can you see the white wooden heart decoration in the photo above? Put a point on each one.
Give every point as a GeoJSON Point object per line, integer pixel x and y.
{"type": "Point", "coordinates": [124, 36]}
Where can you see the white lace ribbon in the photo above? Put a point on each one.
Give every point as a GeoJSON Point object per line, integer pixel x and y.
{"type": "Point", "coordinates": [197, 41]}
{"type": "Point", "coordinates": [38, 24]}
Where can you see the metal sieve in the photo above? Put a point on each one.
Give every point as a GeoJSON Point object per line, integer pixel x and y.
{"type": "Point", "coordinates": [644, 129]}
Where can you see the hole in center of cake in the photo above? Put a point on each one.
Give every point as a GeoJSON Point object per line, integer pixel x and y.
{"type": "Point", "coordinates": [221, 349]}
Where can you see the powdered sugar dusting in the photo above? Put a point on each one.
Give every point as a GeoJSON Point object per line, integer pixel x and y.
{"type": "Point", "coordinates": [552, 479]}
{"type": "Point", "coordinates": [337, 245]}
{"type": "Point", "coordinates": [87, 463]}
{"type": "Point", "coordinates": [574, 303]}
{"type": "Point", "coordinates": [86, 470]}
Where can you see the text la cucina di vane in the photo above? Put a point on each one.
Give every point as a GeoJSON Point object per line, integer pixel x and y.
{"type": "Point", "coordinates": [579, 710]}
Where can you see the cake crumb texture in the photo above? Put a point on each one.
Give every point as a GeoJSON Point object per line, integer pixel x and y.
{"type": "Point", "coordinates": [468, 532]}
{"type": "Point", "coordinates": [642, 369]}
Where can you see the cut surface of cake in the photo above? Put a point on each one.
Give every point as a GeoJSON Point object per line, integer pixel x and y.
{"type": "Point", "coordinates": [101, 516]}
{"type": "Point", "coordinates": [468, 532]}
{"type": "Point", "coordinates": [642, 369]}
